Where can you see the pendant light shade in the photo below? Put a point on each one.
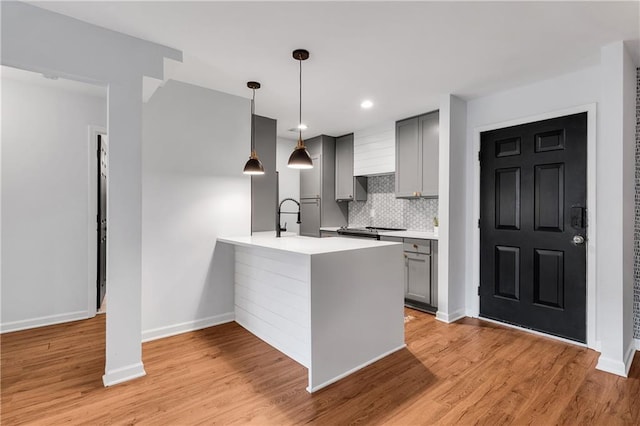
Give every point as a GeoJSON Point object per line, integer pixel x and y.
{"type": "Point", "coordinates": [254, 165]}
{"type": "Point", "coordinates": [300, 158]}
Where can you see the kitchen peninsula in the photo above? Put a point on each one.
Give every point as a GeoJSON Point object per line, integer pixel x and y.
{"type": "Point", "coordinates": [335, 305]}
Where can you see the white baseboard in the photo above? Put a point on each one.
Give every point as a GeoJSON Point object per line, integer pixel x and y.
{"type": "Point", "coordinates": [614, 366]}
{"type": "Point", "coordinates": [172, 330]}
{"type": "Point", "coordinates": [637, 344]}
{"type": "Point", "coordinates": [353, 370]}
{"type": "Point", "coordinates": [123, 374]}
{"type": "Point", "coordinates": [452, 317]}
{"type": "Point", "coordinates": [8, 327]}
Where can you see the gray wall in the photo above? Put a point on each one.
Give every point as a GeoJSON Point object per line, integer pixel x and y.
{"type": "Point", "coordinates": [390, 211]}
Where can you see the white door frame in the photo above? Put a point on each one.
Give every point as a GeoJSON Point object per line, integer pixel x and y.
{"type": "Point", "coordinates": [92, 231]}
{"type": "Point", "coordinates": [590, 109]}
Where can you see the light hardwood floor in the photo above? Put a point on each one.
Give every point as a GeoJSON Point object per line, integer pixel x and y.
{"type": "Point", "coordinates": [464, 373]}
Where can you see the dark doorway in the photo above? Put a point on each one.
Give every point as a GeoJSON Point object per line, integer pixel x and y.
{"type": "Point", "coordinates": [102, 220]}
{"type": "Point", "coordinates": [533, 194]}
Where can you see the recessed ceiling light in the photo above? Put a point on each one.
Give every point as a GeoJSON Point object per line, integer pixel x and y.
{"type": "Point", "coordinates": [366, 104]}
{"type": "Point", "coordinates": [298, 128]}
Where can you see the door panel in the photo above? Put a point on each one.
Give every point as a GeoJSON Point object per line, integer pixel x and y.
{"type": "Point", "coordinates": [532, 197]}
{"type": "Point", "coordinates": [549, 197]}
{"type": "Point", "coordinates": [508, 272]}
{"type": "Point", "coordinates": [508, 198]}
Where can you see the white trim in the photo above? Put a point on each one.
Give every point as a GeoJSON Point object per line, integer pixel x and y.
{"type": "Point", "coordinates": [452, 317]}
{"type": "Point", "coordinates": [92, 232]}
{"type": "Point", "coordinates": [123, 374]}
{"type": "Point", "coordinates": [473, 283]}
{"type": "Point", "coordinates": [621, 368]}
{"type": "Point", "coordinates": [8, 327]}
{"type": "Point", "coordinates": [536, 332]}
{"type": "Point", "coordinates": [172, 330]}
{"type": "Point", "coordinates": [353, 370]}
{"type": "Point", "coordinates": [637, 344]}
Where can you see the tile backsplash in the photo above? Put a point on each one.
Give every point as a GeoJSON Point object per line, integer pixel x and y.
{"type": "Point", "coordinates": [389, 211]}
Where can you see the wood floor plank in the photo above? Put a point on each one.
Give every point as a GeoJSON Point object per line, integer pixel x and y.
{"type": "Point", "coordinates": [469, 372]}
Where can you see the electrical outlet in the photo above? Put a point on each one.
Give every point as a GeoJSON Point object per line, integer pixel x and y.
{"type": "Point", "coordinates": [372, 213]}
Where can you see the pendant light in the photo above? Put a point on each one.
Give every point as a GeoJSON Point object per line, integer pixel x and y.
{"type": "Point", "coordinates": [300, 158]}
{"type": "Point", "coordinates": [254, 165]}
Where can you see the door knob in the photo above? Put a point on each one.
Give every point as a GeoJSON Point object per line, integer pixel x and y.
{"type": "Point", "coordinates": [577, 240]}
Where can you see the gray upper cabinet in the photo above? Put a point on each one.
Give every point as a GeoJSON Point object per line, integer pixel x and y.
{"type": "Point", "coordinates": [264, 187]}
{"type": "Point", "coordinates": [348, 187]}
{"type": "Point", "coordinates": [417, 141]}
{"type": "Point", "coordinates": [429, 125]}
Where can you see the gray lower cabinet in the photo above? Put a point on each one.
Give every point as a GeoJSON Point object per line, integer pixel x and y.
{"type": "Point", "coordinates": [417, 150]}
{"type": "Point", "coordinates": [417, 277]}
{"type": "Point", "coordinates": [420, 272]}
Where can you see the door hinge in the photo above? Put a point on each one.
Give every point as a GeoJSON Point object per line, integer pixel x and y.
{"type": "Point", "coordinates": [478, 223]}
{"type": "Point", "coordinates": [479, 155]}
{"type": "Point", "coordinates": [478, 290]}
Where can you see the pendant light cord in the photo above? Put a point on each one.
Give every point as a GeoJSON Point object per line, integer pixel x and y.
{"type": "Point", "coordinates": [253, 138]}
{"type": "Point", "coordinates": [300, 105]}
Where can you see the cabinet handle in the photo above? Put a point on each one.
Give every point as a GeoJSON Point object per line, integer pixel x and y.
{"type": "Point", "coordinates": [415, 246]}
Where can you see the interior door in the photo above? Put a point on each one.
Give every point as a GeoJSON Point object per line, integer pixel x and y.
{"type": "Point", "coordinates": [102, 219]}
{"type": "Point", "coordinates": [533, 225]}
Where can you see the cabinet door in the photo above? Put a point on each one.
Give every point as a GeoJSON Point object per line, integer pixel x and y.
{"type": "Point", "coordinates": [310, 179]}
{"type": "Point", "coordinates": [310, 217]}
{"type": "Point", "coordinates": [429, 134]}
{"type": "Point", "coordinates": [344, 168]}
{"type": "Point", "coordinates": [418, 277]}
{"type": "Point", "coordinates": [408, 159]}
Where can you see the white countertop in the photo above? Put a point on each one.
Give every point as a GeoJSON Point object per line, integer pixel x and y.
{"type": "Point", "coordinates": [304, 245]}
{"type": "Point", "coordinates": [423, 235]}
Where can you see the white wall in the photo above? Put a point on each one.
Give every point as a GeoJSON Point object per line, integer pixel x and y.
{"type": "Point", "coordinates": [602, 85]}
{"type": "Point", "coordinates": [452, 205]}
{"type": "Point", "coordinates": [45, 204]}
{"type": "Point", "coordinates": [195, 143]}
{"type": "Point", "coordinates": [38, 40]}
{"type": "Point", "coordinates": [289, 185]}
{"type": "Point", "coordinates": [559, 93]}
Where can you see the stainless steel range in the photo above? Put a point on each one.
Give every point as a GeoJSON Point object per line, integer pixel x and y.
{"type": "Point", "coordinates": [365, 232]}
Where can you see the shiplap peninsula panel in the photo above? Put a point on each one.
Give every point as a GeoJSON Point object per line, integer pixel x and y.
{"type": "Point", "coordinates": [374, 150]}
{"type": "Point", "coordinates": [272, 299]}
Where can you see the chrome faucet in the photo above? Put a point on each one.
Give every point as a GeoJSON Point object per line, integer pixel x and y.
{"type": "Point", "coordinates": [279, 212]}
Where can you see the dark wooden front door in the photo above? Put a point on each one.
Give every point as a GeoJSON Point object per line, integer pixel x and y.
{"type": "Point", "coordinates": [533, 194]}
{"type": "Point", "coordinates": [102, 219]}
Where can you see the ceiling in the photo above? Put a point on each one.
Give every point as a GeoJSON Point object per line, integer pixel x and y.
{"type": "Point", "coordinates": [400, 55]}
{"type": "Point", "coordinates": [38, 79]}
